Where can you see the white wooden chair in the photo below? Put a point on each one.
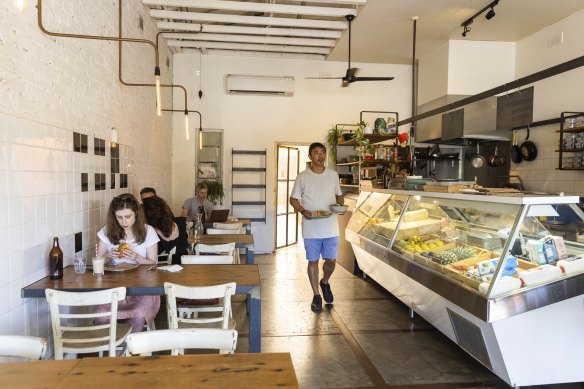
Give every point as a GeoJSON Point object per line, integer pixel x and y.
{"type": "Point", "coordinates": [145, 343]}
{"type": "Point", "coordinates": [76, 333]}
{"type": "Point", "coordinates": [223, 249]}
{"type": "Point", "coordinates": [229, 226]}
{"type": "Point", "coordinates": [165, 258]}
{"type": "Point", "coordinates": [187, 316]}
{"type": "Point", "coordinates": [206, 259]}
{"type": "Point", "coordinates": [17, 346]}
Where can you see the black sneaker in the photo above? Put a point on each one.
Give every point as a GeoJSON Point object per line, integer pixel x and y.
{"type": "Point", "coordinates": [316, 305]}
{"type": "Point", "coordinates": [326, 292]}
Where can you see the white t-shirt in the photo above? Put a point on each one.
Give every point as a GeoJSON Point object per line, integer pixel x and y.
{"type": "Point", "coordinates": [140, 249]}
{"type": "Point", "coordinates": [317, 192]}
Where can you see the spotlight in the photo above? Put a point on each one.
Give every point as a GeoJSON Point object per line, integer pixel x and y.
{"type": "Point", "coordinates": [491, 14]}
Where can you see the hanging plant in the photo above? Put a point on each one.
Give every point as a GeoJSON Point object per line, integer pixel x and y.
{"type": "Point", "coordinates": [332, 140]}
{"type": "Point", "coordinates": [362, 145]}
{"type": "Point", "coordinates": [215, 192]}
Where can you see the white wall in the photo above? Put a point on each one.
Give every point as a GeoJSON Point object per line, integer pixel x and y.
{"type": "Point", "coordinates": [49, 88]}
{"type": "Point", "coordinates": [433, 74]}
{"type": "Point", "coordinates": [460, 67]}
{"type": "Point", "coordinates": [476, 66]}
{"type": "Point", "coordinates": [259, 122]}
{"type": "Point", "coordinates": [564, 92]}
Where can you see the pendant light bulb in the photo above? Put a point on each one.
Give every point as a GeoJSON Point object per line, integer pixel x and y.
{"type": "Point", "coordinates": [114, 137]}
{"type": "Point", "coordinates": [201, 139]}
{"type": "Point", "coordinates": [158, 102]}
{"type": "Point", "coordinates": [187, 124]}
{"type": "Point", "coordinates": [20, 5]}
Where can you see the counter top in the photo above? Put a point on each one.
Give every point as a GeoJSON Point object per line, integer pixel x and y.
{"type": "Point", "coordinates": [521, 199]}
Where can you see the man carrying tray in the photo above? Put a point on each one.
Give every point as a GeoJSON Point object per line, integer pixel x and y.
{"type": "Point", "coordinates": [315, 189]}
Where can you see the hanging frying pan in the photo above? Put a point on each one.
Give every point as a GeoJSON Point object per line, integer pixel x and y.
{"type": "Point", "coordinates": [516, 156]}
{"type": "Point", "coordinates": [528, 148]}
{"type": "Point", "coordinates": [478, 161]}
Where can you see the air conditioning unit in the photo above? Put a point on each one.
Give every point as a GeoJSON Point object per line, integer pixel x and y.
{"type": "Point", "coordinates": [259, 85]}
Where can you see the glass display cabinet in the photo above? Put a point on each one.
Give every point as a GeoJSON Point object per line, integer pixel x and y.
{"type": "Point", "coordinates": [477, 266]}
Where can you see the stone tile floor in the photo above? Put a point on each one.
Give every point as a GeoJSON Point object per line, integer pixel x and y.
{"type": "Point", "coordinates": [364, 340]}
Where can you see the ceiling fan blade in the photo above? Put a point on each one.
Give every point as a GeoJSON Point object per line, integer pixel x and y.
{"type": "Point", "coordinates": [345, 83]}
{"type": "Point", "coordinates": [373, 78]}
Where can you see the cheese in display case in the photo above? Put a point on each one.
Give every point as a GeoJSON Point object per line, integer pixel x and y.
{"type": "Point", "coordinates": [482, 269]}
{"type": "Point", "coordinates": [463, 237]}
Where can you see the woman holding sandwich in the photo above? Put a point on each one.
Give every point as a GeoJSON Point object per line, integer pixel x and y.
{"type": "Point", "coordinates": [127, 238]}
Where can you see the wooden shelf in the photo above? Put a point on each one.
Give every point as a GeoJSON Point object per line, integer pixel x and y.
{"type": "Point", "coordinates": [574, 129]}
{"type": "Point", "coordinates": [347, 163]}
{"type": "Point", "coordinates": [570, 168]}
{"type": "Point", "coordinates": [350, 185]}
{"type": "Point", "coordinates": [372, 139]}
{"type": "Point", "coordinates": [569, 150]}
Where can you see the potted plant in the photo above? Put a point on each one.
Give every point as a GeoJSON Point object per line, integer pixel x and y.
{"type": "Point", "coordinates": [362, 145]}
{"type": "Point", "coordinates": [332, 140]}
{"type": "Point", "coordinates": [215, 192]}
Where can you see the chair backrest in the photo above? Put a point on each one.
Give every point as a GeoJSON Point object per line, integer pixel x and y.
{"type": "Point", "coordinates": [217, 231]}
{"type": "Point", "coordinates": [79, 326]}
{"type": "Point", "coordinates": [165, 258]}
{"type": "Point", "coordinates": [228, 226]}
{"type": "Point", "coordinates": [145, 343]}
{"type": "Point", "coordinates": [29, 347]}
{"type": "Point", "coordinates": [206, 259]}
{"type": "Point", "coordinates": [222, 312]}
{"type": "Point", "coordinates": [226, 249]}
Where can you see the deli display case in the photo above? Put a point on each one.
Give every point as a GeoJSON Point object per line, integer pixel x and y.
{"type": "Point", "coordinates": [490, 272]}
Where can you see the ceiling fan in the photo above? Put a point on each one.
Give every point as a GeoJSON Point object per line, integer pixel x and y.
{"type": "Point", "coordinates": [351, 75]}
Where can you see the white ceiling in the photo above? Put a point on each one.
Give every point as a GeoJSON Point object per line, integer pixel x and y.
{"type": "Point", "coordinates": [381, 33]}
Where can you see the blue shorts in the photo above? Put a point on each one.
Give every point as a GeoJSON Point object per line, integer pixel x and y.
{"type": "Point", "coordinates": [327, 247]}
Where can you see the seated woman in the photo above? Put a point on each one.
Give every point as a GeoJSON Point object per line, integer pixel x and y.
{"type": "Point", "coordinates": [198, 204]}
{"type": "Point", "coordinates": [125, 223]}
{"type": "Point", "coordinates": [168, 228]}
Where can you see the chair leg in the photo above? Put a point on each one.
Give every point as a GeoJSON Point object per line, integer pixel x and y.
{"type": "Point", "coordinates": [150, 326]}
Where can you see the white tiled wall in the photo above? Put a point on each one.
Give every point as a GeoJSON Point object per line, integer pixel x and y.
{"type": "Point", "coordinates": [49, 88]}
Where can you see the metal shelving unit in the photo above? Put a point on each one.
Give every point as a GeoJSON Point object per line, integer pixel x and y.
{"type": "Point", "coordinates": [248, 183]}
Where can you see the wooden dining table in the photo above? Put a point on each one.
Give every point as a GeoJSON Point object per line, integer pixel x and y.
{"type": "Point", "coordinates": [242, 241]}
{"type": "Point", "coordinates": [263, 370]}
{"type": "Point", "coordinates": [144, 282]}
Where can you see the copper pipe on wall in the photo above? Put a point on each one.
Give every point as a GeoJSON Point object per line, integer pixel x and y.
{"type": "Point", "coordinates": [157, 61]}
{"type": "Point", "coordinates": [174, 32]}
{"type": "Point", "coordinates": [180, 110]}
{"type": "Point", "coordinates": [95, 37]}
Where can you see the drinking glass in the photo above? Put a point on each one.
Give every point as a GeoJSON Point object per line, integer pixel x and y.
{"type": "Point", "coordinates": [79, 263]}
{"type": "Point", "coordinates": [98, 266]}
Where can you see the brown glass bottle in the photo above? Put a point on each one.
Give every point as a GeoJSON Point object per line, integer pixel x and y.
{"type": "Point", "coordinates": [55, 261]}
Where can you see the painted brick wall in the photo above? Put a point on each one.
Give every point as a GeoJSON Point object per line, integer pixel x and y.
{"type": "Point", "coordinates": [50, 89]}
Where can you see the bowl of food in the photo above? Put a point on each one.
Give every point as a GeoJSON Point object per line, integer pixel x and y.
{"type": "Point", "coordinates": [338, 208]}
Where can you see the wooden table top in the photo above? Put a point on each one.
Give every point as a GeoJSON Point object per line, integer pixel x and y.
{"type": "Point", "coordinates": [222, 239]}
{"type": "Point", "coordinates": [142, 281]}
{"type": "Point", "coordinates": [259, 370]}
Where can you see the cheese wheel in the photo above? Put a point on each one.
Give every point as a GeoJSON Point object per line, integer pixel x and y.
{"type": "Point", "coordinates": [412, 216]}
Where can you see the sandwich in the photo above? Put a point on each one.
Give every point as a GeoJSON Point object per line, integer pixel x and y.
{"type": "Point", "coordinates": [123, 247]}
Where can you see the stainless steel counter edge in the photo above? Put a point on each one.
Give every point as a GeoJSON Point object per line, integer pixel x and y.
{"type": "Point", "coordinates": [515, 199]}
{"type": "Point", "coordinates": [520, 301]}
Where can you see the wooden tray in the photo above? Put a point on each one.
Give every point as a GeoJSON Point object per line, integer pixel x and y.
{"type": "Point", "coordinates": [444, 189]}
